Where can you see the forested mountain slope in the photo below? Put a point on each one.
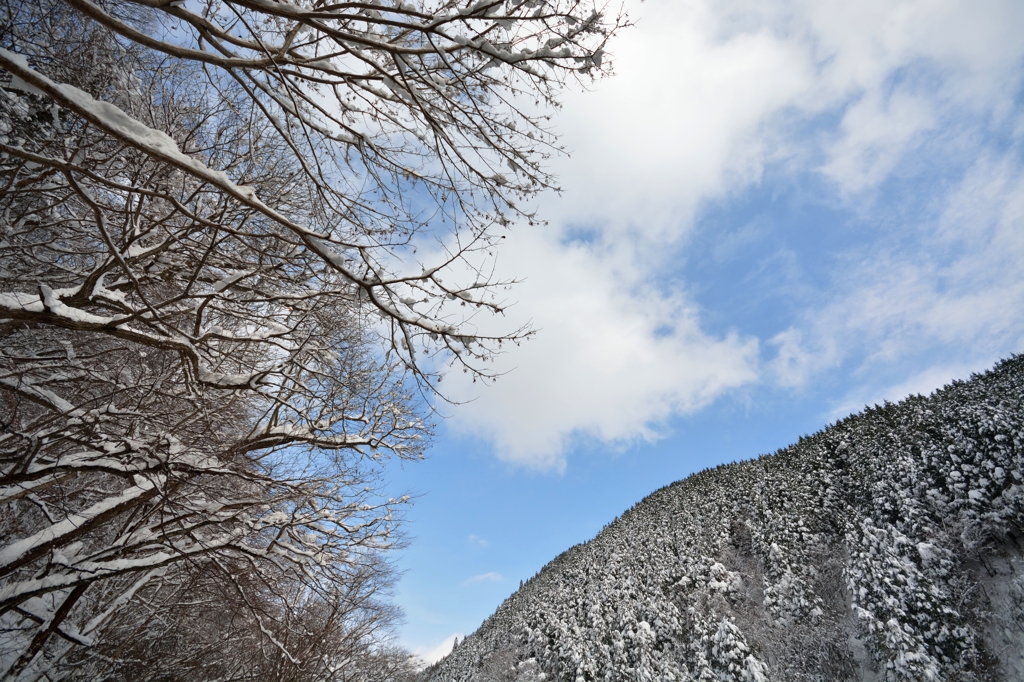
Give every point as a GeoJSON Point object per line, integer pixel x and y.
{"type": "Point", "coordinates": [886, 547]}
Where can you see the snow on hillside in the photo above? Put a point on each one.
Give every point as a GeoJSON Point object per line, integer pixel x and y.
{"type": "Point", "coordinates": [886, 547]}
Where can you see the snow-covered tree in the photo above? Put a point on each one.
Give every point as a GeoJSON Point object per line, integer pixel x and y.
{"type": "Point", "coordinates": [238, 236]}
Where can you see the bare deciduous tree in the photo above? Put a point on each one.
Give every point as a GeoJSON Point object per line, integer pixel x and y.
{"type": "Point", "coordinates": [215, 315]}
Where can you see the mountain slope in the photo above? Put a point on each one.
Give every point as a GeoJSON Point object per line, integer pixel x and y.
{"type": "Point", "coordinates": [886, 547]}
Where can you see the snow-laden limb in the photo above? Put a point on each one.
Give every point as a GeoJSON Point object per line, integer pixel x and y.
{"type": "Point", "coordinates": [39, 394]}
{"type": "Point", "coordinates": [115, 121]}
{"type": "Point", "coordinates": [26, 549]}
{"type": "Point", "coordinates": [122, 600]}
{"type": "Point", "coordinates": [17, 305]}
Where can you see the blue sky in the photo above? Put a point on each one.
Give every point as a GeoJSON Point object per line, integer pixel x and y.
{"type": "Point", "coordinates": [775, 213]}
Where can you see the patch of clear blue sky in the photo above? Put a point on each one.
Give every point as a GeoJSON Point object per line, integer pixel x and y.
{"type": "Point", "coordinates": [757, 259]}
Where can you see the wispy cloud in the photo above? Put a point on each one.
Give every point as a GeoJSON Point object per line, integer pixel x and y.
{"type": "Point", "coordinates": [431, 655]}
{"type": "Point", "coordinates": [923, 383]}
{"type": "Point", "coordinates": [960, 287]}
{"type": "Point", "coordinates": [491, 577]}
{"type": "Point", "coordinates": [478, 541]}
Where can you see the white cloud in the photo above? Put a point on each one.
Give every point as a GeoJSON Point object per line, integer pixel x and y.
{"type": "Point", "coordinates": [904, 68]}
{"type": "Point", "coordinates": [613, 356]}
{"type": "Point", "coordinates": [874, 136]}
{"type": "Point", "coordinates": [707, 95]}
{"type": "Point", "coordinates": [680, 123]}
{"type": "Point", "coordinates": [794, 363]}
{"type": "Point", "coordinates": [706, 92]}
{"type": "Point", "coordinates": [431, 655]}
{"type": "Point", "coordinates": [490, 577]}
{"type": "Point", "coordinates": [478, 541]}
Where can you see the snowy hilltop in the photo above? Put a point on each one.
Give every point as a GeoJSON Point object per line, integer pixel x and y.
{"type": "Point", "coordinates": [885, 547]}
